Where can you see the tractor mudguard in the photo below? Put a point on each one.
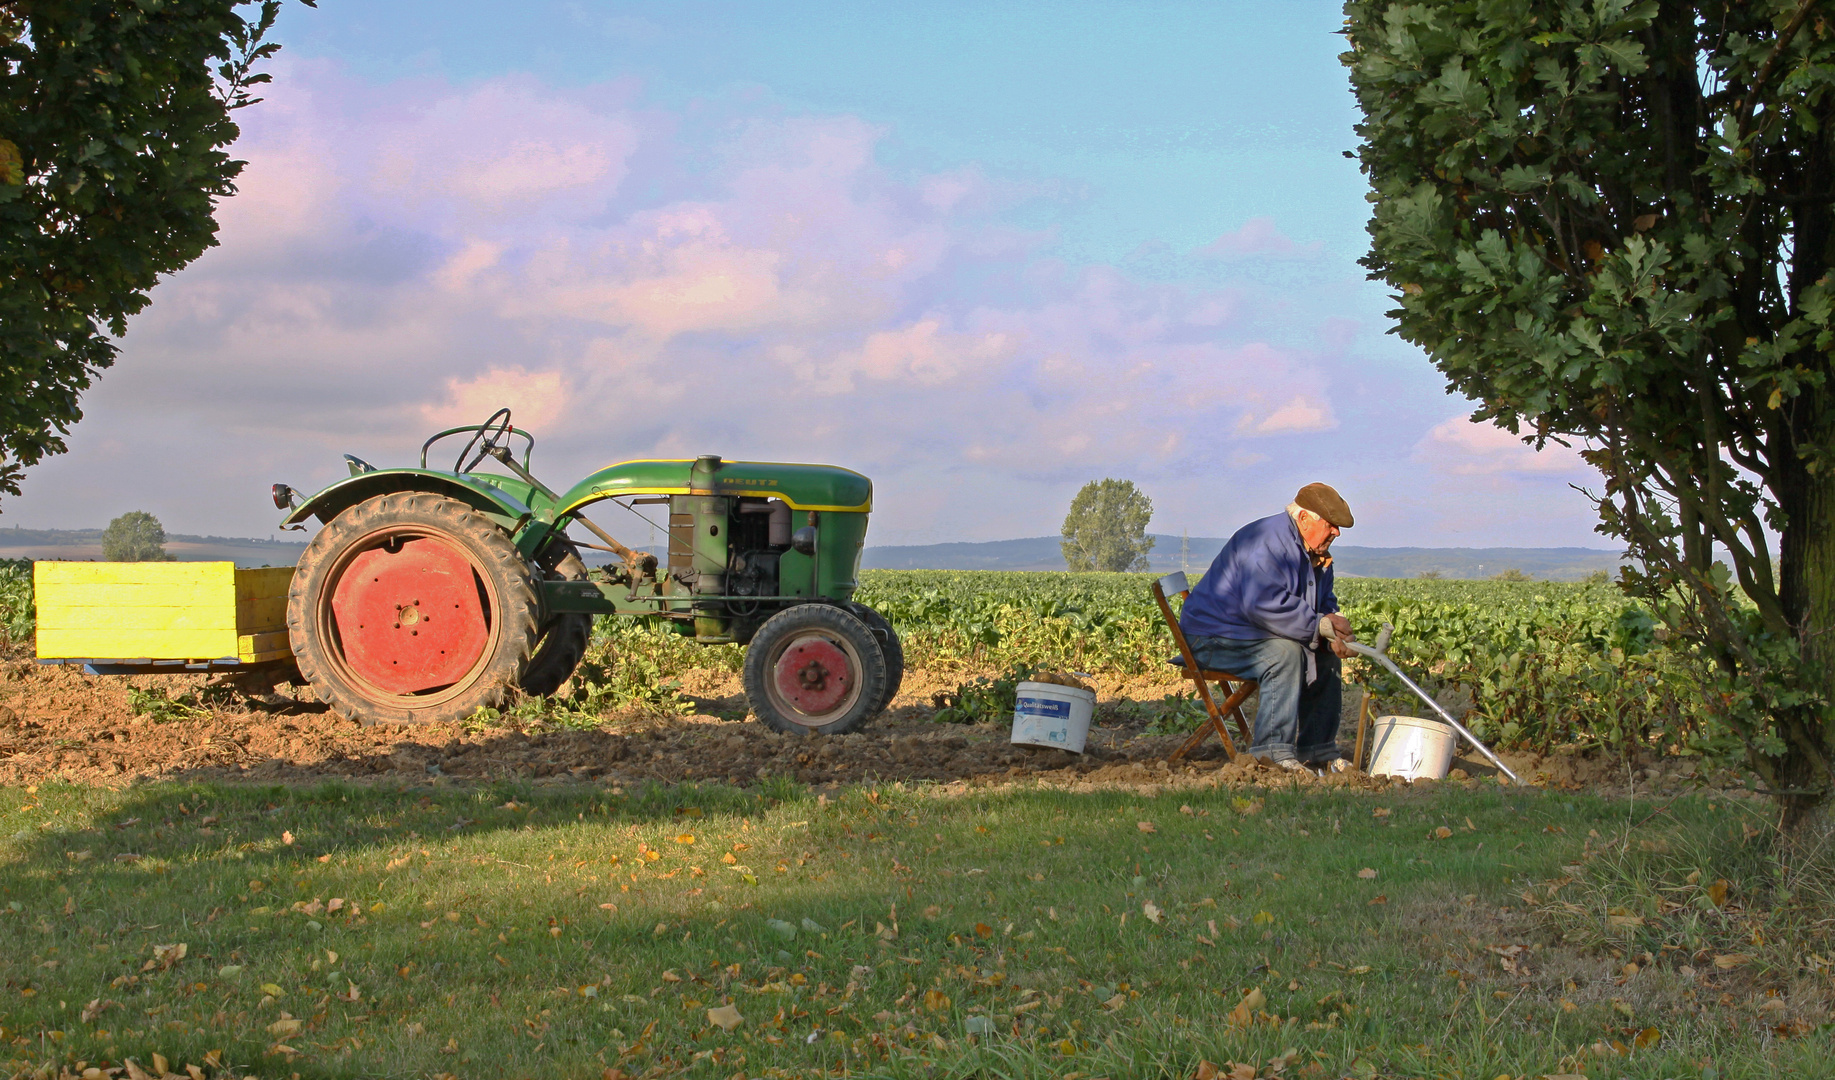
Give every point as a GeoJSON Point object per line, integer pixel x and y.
{"type": "Point", "coordinates": [502, 499]}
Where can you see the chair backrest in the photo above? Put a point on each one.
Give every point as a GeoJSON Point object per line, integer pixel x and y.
{"type": "Point", "coordinates": [1160, 589]}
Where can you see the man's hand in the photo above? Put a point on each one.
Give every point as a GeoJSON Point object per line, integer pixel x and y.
{"type": "Point", "coordinates": [1339, 633]}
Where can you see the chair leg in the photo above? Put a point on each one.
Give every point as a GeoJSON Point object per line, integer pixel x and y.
{"type": "Point", "coordinates": [1232, 706]}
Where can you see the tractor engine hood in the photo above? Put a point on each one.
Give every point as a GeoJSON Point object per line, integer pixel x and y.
{"type": "Point", "coordinates": [803, 487]}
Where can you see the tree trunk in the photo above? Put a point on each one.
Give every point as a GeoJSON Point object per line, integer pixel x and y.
{"type": "Point", "coordinates": [1801, 775]}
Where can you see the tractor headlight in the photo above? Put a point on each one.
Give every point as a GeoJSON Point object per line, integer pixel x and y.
{"type": "Point", "coordinates": [285, 498]}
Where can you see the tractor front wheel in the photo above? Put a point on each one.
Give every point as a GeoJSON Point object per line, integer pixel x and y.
{"type": "Point", "coordinates": [412, 608]}
{"type": "Point", "coordinates": [815, 669]}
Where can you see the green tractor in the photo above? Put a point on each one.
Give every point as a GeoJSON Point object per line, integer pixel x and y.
{"type": "Point", "coordinates": [429, 594]}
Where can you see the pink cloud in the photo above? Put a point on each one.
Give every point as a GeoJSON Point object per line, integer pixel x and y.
{"type": "Point", "coordinates": [1463, 448]}
{"type": "Point", "coordinates": [410, 256]}
{"type": "Point", "coordinates": [1258, 236]}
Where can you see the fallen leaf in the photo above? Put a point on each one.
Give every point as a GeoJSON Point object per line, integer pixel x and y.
{"type": "Point", "coordinates": [1647, 1038]}
{"type": "Point", "coordinates": [1262, 918]}
{"type": "Point", "coordinates": [1146, 826]}
{"type": "Point", "coordinates": [1244, 1013]}
{"type": "Point", "coordinates": [1381, 812]}
{"type": "Point", "coordinates": [1361, 969]}
{"type": "Point", "coordinates": [1625, 922]}
{"type": "Point", "coordinates": [729, 859]}
{"type": "Point", "coordinates": [1729, 961]}
{"type": "Point", "coordinates": [1441, 833]}
{"type": "Point", "coordinates": [280, 1029]}
{"type": "Point", "coordinates": [287, 838]}
{"type": "Point", "coordinates": [983, 930]}
{"type": "Point", "coordinates": [936, 1000]}
{"type": "Point", "coordinates": [1366, 873]}
{"type": "Point", "coordinates": [1377, 899]}
{"type": "Point", "coordinates": [726, 1017]}
{"type": "Point", "coordinates": [671, 976]}
{"type": "Point", "coordinates": [1241, 1071]}
{"type": "Point", "coordinates": [272, 991]}
{"type": "Point", "coordinates": [685, 838]}
{"type": "Point", "coordinates": [1187, 811]}
{"type": "Point", "coordinates": [1717, 892]}
{"type": "Point", "coordinates": [1206, 1071]}
{"type": "Point", "coordinates": [1152, 912]}
{"type": "Point", "coordinates": [334, 904]}
{"type": "Point", "coordinates": [933, 912]}
{"type": "Point", "coordinates": [782, 929]}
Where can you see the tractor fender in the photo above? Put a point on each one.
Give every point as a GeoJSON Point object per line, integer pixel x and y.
{"type": "Point", "coordinates": [485, 497]}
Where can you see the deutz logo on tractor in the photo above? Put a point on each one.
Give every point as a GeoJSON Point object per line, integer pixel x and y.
{"type": "Point", "coordinates": [429, 593]}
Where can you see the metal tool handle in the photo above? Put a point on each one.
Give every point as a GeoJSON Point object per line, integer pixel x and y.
{"type": "Point", "coordinates": [1380, 654]}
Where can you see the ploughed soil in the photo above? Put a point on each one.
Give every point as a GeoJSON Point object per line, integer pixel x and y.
{"type": "Point", "coordinates": [58, 723]}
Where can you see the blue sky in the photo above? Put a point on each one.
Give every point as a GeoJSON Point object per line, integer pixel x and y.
{"type": "Point", "coordinates": [982, 253]}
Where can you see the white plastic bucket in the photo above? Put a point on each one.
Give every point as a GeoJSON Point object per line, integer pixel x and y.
{"type": "Point", "coordinates": [1053, 716]}
{"type": "Point", "coordinates": [1412, 747]}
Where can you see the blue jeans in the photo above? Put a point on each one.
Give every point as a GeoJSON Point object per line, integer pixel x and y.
{"type": "Point", "coordinates": [1294, 720]}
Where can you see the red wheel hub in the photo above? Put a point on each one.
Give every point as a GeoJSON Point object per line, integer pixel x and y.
{"type": "Point", "coordinates": [413, 619]}
{"type": "Point", "coordinates": [814, 675]}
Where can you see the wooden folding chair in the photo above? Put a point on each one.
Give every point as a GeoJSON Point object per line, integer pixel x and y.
{"type": "Point", "coordinates": [1236, 687]}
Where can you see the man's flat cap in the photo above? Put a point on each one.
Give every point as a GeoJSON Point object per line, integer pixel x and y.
{"type": "Point", "coordinates": [1321, 499]}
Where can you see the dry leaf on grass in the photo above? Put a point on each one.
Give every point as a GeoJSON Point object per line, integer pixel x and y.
{"type": "Point", "coordinates": [280, 1029]}
{"type": "Point", "coordinates": [287, 838]}
{"type": "Point", "coordinates": [1152, 912]}
{"type": "Point", "coordinates": [1146, 826]}
{"type": "Point", "coordinates": [725, 1017]}
{"type": "Point", "coordinates": [1441, 833]}
{"type": "Point", "coordinates": [936, 1001]}
{"type": "Point", "coordinates": [1244, 1013]}
{"type": "Point", "coordinates": [1729, 961]}
{"type": "Point", "coordinates": [1717, 892]}
{"type": "Point", "coordinates": [1366, 873]}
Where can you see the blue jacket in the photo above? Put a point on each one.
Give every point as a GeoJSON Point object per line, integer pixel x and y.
{"type": "Point", "coordinates": [1261, 585]}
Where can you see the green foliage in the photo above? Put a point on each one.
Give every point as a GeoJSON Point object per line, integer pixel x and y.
{"type": "Point", "coordinates": [1543, 663]}
{"type": "Point", "coordinates": [162, 706]}
{"type": "Point", "coordinates": [135, 536]}
{"type": "Point", "coordinates": [1106, 528]}
{"type": "Point", "coordinates": [113, 123]}
{"type": "Point", "coordinates": [18, 614]}
{"type": "Point", "coordinates": [1511, 574]}
{"type": "Point", "coordinates": [1610, 223]}
{"type": "Point", "coordinates": [984, 700]}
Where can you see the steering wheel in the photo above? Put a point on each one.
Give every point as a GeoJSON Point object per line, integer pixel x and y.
{"type": "Point", "coordinates": [494, 433]}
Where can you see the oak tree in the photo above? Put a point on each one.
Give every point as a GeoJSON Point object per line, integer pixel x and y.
{"type": "Point", "coordinates": [114, 116]}
{"type": "Point", "coordinates": [1612, 224]}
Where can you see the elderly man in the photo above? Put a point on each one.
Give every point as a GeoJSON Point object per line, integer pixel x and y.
{"type": "Point", "coordinates": [1265, 611]}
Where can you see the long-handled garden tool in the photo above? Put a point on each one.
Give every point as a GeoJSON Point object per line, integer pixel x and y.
{"type": "Point", "coordinates": [1380, 654]}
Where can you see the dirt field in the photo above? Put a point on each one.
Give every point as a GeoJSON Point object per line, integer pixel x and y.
{"type": "Point", "coordinates": [57, 723]}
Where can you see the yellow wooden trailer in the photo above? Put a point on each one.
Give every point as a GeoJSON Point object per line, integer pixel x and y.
{"type": "Point", "coordinates": [127, 617]}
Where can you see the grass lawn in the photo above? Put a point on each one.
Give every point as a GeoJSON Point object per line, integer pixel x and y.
{"type": "Point", "coordinates": [891, 931]}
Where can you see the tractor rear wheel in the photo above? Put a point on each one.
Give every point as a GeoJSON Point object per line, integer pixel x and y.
{"type": "Point", "coordinates": [815, 669]}
{"type": "Point", "coordinates": [889, 644]}
{"type": "Point", "coordinates": [563, 638]}
{"type": "Point", "coordinates": [412, 608]}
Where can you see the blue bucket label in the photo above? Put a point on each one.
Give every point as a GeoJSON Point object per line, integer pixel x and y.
{"type": "Point", "coordinates": [1055, 710]}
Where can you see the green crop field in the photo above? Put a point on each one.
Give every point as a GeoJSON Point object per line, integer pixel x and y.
{"type": "Point", "coordinates": [1540, 663]}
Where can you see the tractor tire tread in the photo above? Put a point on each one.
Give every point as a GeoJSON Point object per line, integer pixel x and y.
{"type": "Point", "coordinates": [831, 618]}
{"type": "Point", "coordinates": [517, 614]}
